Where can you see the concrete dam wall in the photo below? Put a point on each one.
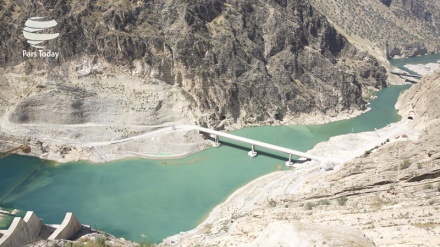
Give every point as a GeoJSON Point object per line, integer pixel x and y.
{"type": "Point", "coordinates": [30, 229]}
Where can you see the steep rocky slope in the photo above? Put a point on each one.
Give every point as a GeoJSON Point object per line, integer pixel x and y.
{"type": "Point", "coordinates": [387, 28]}
{"type": "Point", "coordinates": [386, 198]}
{"type": "Point", "coordinates": [232, 61]}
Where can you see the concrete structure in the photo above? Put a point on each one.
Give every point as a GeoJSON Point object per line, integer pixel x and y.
{"type": "Point", "coordinates": [254, 143]}
{"type": "Point", "coordinates": [405, 74]}
{"type": "Point", "coordinates": [67, 229]}
{"type": "Point", "coordinates": [33, 223]}
{"type": "Point", "coordinates": [31, 229]}
{"type": "Point", "coordinates": [252, 153]}
{"type": "Point", "coordinates": [22, 232]}
{"type": "Point", "coordinates": [216, 143]}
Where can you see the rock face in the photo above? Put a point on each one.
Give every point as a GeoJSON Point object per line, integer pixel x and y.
{"type": "Point", "coordinates": [233, 61]}
{"type": "Point", "coordinates": [390, 28]}
{"type": "Point", "coordinates": [419, 103]}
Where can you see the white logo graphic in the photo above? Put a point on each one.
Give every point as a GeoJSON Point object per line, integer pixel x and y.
{"type": "Point", "coordinates": [33, 28]}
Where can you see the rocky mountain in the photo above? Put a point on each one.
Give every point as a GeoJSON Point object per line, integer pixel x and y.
{"type": "Point", "coordinates": [388, 28]}
{"type": "Point", "coordinates": [217, 62]}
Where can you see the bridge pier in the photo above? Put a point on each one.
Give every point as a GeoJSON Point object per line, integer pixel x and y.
{"type": "Point", "coordinates": [216, 143]}
{"type": "Point", "coordinates": [289, 162]}
{"type": "Point", "coordinates": [252, 153]}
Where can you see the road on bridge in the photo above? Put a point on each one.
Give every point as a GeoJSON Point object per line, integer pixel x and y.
{"type": "Point", "coordinates": [251, 141]}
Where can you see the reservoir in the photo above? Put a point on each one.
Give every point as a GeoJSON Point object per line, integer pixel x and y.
{"type": "Point", "coordinates": [157, 198]}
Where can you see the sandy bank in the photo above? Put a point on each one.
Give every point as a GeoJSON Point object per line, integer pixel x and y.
{"type": "Point", "coordinates": [321, 118]}
{"type": "Point", "coordinates": [423, 69]}
{"type": "Point", "coordinates": [65, 143]}
{"type": "Point", "coordinates": [314, 118]}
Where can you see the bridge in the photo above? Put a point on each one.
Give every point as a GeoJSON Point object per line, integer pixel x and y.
{"type": "Point", "coordinates": [405, 74]}
{"type": "Point", "coordinates": [252, 152]}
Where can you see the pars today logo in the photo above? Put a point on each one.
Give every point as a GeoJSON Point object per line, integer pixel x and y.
{"type": "Point", "coordinates": [34, 32]}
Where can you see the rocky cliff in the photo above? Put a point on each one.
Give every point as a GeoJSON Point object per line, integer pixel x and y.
{"type": "Point", "coordinates": [388, 28]}
{"type": "Point", "coordinates": [216, 62]}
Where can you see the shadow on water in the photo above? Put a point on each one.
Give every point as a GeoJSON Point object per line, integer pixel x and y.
{"type": "Point", "coordinates": [6, 221]}
{"type": "Point", "coordinates": [247, 149]}
{"type": "Point", "coordinates": [24, 179]}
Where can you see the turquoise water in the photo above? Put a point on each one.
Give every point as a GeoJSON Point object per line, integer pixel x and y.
{"type": "Point", "coordinates": [399, 63]}
{"type": "Point", "coordinates": [135, 197]}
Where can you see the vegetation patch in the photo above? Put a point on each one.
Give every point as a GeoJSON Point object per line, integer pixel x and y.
{"type": "Point", "coordinates": [342, 201]}
{"type": "Point", "coordinates": [272, 203]}
{"type": "Point", "coordinates": [311, 205]}
{"type": "Point", "coordinates": [368, 152]}
{"type": "Point", "coordinates": [428, 186]}
{"type": "Point", "coordinates": [425, 225]}
{"type": "Point", "coordinates": [405, 164]}
{"type": "Point", "coordinates": [98, 242]}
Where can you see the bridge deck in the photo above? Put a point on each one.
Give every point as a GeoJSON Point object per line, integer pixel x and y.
{"type": "Point", "coordinates": [254, 142]}
{"type": "Point", "coordinates": [405, 74]}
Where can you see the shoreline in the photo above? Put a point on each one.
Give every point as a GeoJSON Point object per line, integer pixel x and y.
{"type": "Point", "coordinates": [423, 69]}
{"type": "Point", "coordinates": [397, 57]}
{"type": "Point", "coordinates": [130, 147]}
{"type": "Point", "coordinates": [155, 145]}
{"type": "Point", "coordinates": [259, 191]}
{"type": "Point", "coordinates": [306, 119]}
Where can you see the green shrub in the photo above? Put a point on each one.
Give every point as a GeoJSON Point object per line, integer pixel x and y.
{"type": "Point", "coordinates": [145, 243]}
{"type": "Point", "coordinates": [368, 152]}
{"type": "Point", "coordinates": [324, 202]}
{"type": "Point", "coordinates": [405, 164]}
{"type": "Point", "coordinates": [309, 206]}
{"type": "Point", "coordinates": [428, 186]}
{"type": "Point", "coordinates": [100, 242]}
{"type": "Point", "coordinates": [342, 201]}
{"type": "Point", "coordinates": [272, 203]}
{"type": "Point", "coordinates": [72, 244]}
